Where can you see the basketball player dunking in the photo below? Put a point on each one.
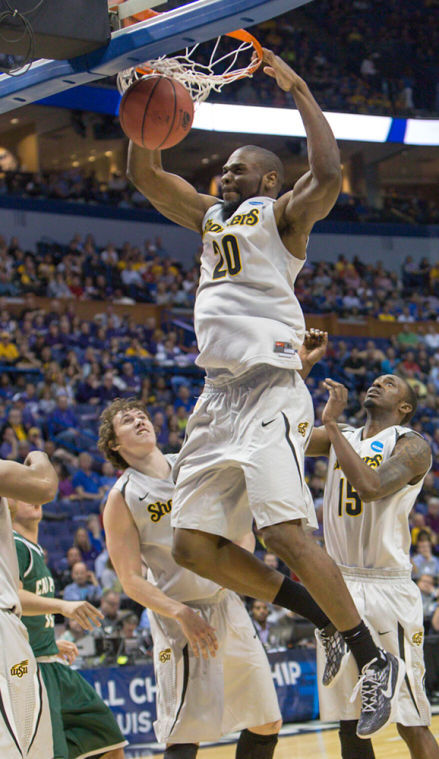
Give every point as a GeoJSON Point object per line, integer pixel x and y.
{"type": "Point", "coordinates": [25, 727]}
{"type": "Point", "coordinates": [374, 476]}
{"type": "Point", "coordinates": [255, 415]}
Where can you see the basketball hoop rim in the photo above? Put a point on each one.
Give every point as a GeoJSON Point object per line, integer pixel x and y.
{"type": "Point", "coordinates": [238, 34]}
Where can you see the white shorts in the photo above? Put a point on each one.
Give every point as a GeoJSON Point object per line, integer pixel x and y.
{"type": "Point", "coordinates": [392, 609]}
{"type": "Point", "coordinates": [201, 700]}
{"type": "Point", "coordinates": [243, 456]}
{"type": "Point", "coordinates": [25, 726]}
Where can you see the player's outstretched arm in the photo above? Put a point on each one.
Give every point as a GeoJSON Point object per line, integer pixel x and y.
{"type": "Point", "coordinates": [35, 481]}
{"type": "Point", "coordinates": [315, 193]}
{"type": "Point", "coordinates": [170, 194]}
{"type": "Point", "coordinates": [124, 549]}
{"type": "Point", "coordinates": [82, 611]}
{"type": "Point", "coordinates": [410, 460]}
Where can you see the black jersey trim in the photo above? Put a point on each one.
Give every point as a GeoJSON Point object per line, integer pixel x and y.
{"type": "Point", "coordinates": [8, 724]}
{"type": "Point", "coordinates": [185, 684]}
{"type": "Point", "coordinates": [124, 486]}
{"type": "Point", "coordinates": [402, 656]}
{"type": "Point", "coordinates": [40, 711]}
{"type": "Point", "coordinates": [291, 444]}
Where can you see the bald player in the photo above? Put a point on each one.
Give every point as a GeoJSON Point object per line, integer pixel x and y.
{"type": "Point", "coordinates": [243, 457]}
{"type": "Point", "coordinates": [375, 473]}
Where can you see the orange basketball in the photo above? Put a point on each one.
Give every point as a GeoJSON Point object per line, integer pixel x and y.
{"type": "Point", "coordinates": [156, 112]}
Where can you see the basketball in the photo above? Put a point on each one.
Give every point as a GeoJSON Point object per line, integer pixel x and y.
{"type": "Point", "coordinates": [156, 112]}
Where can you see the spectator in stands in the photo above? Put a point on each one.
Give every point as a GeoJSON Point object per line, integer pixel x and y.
{"type": "Point", "coordinates": [424, 562]}
{"type": "Point", "coordinates": [429, 594]}
{"type": "Point", "coordinates": [259, 613]}
{"type": "Point", "coordinates": [9, 445]}
{"type": "Point", "coordinates": [8, 350]}
{"type": "Point", "coordinates": [407, 338]}
{"type": "Point", "coordinates": [84, 587]}
{"type": "Point", "coordinates": [62, 424]}
{"type": "Point", "coordinates": [110, 608]}
{"type": "Point", "coordinates": [109, 579]}
{"type": "Point", "coordinates": [135, 349]}
{"type": "Point", "coordinates": [355, 369]}
{"type": "Point", "coordinates": [64, 571]}
{"type": "Point", "coordinates": [432, 516]}
{"type": "Point", "coordinates": [85, 481]}
{"type": "Point", "coordinates": [89, 551]}
{"type": "Point", "coordinates": [65, 486]}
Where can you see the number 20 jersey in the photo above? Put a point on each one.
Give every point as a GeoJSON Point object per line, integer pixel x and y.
{"type": "Point", "coordinates": [246, 312]}
{"type": "Point", "coordinates": [374, 534]}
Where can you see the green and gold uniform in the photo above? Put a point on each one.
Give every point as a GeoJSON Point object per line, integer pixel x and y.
{"type": "Point", "coordinates": [82, 725]}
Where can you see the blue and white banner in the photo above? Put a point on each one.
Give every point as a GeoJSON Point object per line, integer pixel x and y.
{"type": "Point", "coordinates": [130, 693]}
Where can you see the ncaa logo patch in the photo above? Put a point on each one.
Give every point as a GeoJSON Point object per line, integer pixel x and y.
{"type": "Point", "coordinates": [377, 446]}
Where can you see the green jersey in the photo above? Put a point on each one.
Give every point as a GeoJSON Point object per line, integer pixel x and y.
{"type": "Point", "coordinates": [37, 578]}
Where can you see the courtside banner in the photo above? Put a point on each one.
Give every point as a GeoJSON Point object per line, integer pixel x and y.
{"type": "Point", "coordinates": [130, 693]}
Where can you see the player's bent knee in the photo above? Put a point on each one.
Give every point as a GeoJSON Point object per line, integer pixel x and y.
{"type": "Point", "coordinates": [184, 550]}
{"type": "Point", "coordinates": [285, 538]}
{"type": "Point", "coordinates": [191, 552]}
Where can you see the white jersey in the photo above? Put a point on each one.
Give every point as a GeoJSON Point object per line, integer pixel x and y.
{"type": "Point", "coordinates": [246, 312]}
{"type": "Point", "coordinates": [368, 535]}
{"type": "Point", "coordinates": [149, 500]}
{"type": "Point", "coordinates": [9, 574]}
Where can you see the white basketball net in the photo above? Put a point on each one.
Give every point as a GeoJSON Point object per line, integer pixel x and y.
{"type": "Point", "coordinates": [200, 79]}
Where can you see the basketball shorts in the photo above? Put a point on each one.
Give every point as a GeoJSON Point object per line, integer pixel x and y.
{"type": "Point", "coordinates": [391, 606]}
{"type": "Point", "coordinates": [82, 724]}
{"type": "Point", "coordinates": [25, 727]}
{"type": "Point", "coordinates": [201, 700]}
{"type": "Point", "coordinates": [243, 456]}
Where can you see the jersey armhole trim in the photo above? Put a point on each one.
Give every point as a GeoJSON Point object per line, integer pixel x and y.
{"type": "Point", "coordinates": [31, 558]}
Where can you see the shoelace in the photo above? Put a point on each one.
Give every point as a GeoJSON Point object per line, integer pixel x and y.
{"type": "Point", "coordinates": [368, 683]}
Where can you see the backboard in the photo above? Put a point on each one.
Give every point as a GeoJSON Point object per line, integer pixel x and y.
{"type": "Point", "coordinates": [166, 33]}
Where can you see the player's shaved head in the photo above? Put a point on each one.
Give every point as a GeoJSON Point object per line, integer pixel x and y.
{"type": "Point", "coordinates": [267, 161]}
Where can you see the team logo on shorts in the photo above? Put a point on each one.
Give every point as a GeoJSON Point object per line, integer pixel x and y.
{"type": "Point", "coordinates": [302, 427]}
{"type": "Point", "coordinates": [417, 638]}
{"type": "Point", "coordinates": [18, 670]}
{"type": "Point", "coordinates": [165, 655]}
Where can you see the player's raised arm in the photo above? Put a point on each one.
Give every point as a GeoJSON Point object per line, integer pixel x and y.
{"type": "Point", "coordinates": [170, 194]}
{"type": "Point", "coordinates": [315, 193]}
{"type": "Point", "coordinates": [35, 481]}
{"type": "Point", "coordinates": [124, 549]}
{"type": "Point", "coordinates": [409, 462]}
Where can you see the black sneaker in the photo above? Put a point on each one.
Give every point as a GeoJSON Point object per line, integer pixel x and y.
{"type": "Point", "coordinates": [379, 692]}
{"type": "Point", "coordinates": [336, 653]}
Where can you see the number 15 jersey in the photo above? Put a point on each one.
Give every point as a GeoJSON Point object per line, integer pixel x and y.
{"type": "Point", "coordinates": [374, 534]}
{"type": "Point", "coordinates": [246, 312]}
